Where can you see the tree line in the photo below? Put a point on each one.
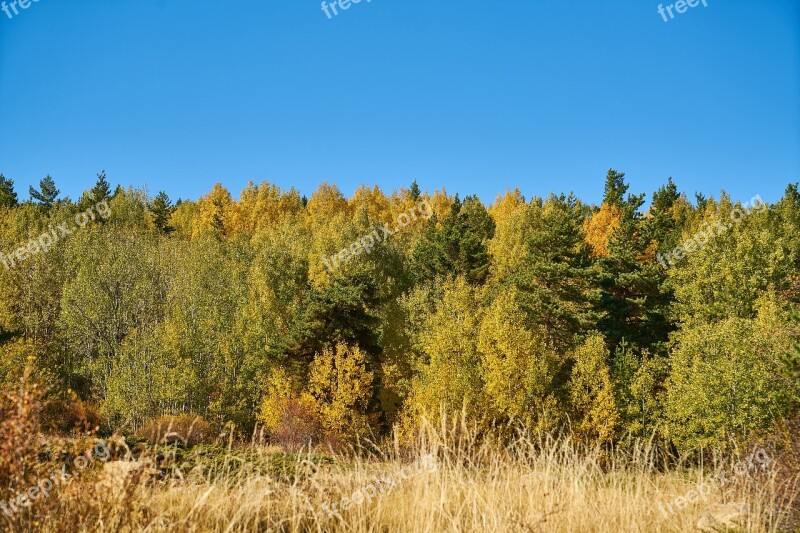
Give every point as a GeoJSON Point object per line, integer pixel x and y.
{"type": "Point", "coordinates": [548, 313]}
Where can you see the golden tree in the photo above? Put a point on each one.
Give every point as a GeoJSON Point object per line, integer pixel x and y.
{"type": "Point", "coordinates": [601, 228]}
{"type": "Point", "coordinates": [340, 387]}
{"type": "Point", "coordinates": [518, 366]}
{"type": "Point", "coordinates": [592, 394]}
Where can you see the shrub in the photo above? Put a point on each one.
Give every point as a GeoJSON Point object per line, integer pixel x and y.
{"type": "Point", "coordinates": [290, 418]}
{"type": "Point", "coordinates": [20, 412]}
{"type": "Point", "coordinates": [190, 429]}
{"type": "Point", "coordinates": [70, 416]}
{"type": "Point", "coordinates": [297, 424]}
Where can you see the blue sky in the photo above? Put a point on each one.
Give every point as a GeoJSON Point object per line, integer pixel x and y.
{"type": "Point", "coordinates": [476, 97]}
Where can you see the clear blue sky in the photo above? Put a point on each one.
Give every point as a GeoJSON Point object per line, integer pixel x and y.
{"type": "Point", "coordinates": [474, 96]}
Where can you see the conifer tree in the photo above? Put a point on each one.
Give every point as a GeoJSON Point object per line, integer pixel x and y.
{"type": "Point", "coordinates": [161, 209]}
{"type": "Point", "coordinates": [8, 197]}
{"type": "Point", "coordinates": [47, 194]}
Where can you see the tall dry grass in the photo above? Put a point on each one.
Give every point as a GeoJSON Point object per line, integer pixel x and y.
{"type": "Point", "coordinates": [449, 481]}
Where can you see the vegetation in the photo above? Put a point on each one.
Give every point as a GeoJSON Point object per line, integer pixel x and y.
{"type": "Point", "coordinates": [548, 316]}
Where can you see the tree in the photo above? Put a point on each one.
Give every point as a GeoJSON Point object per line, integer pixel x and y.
{"type": "Point", "coordinates": [518, 368]}
{"type": "Point", "coordinates": [724, 267]}
{"type": "Point", "coordinates": [450, 377]}
{"type": "Point", "coordinates": [592, 394]}
{"type": "Point", "coordinates": [512, 220]}
{"type": "Point", "coordinates": [554, 274]}
{"type": "Point", "coordinates": [601, 228]}
{"type": "Point", "coordinates": [161, 210]}
{"type": "Point", "coordinates": [615, 189]}
{"type": "Point", "coordinates": [459, 246]}
{"type": "Point", "coordinates": [341, 385]}
{"type": "Point", "coordinates": [47, 194]}
{"type": "Point", "coordinates": [341, 312]}
{"type": "Point", "coordinates": [791, 363]}
{"type": "Point", "coordinates": [727, 380]}
{"type": "Point", "coordinates": [214, 211]}
{"type": "Point", "coordinates": [8, 198]}
{"type": "Point", "coordinates": [101, 190]}
{"type": "Point", "coordinates": [415, 192]}
{"type": "Point", "coordinates": [631, 304]}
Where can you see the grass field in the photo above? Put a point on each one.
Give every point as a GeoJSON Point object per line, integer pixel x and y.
{"type": "Point", "coordinates": [445, 483]}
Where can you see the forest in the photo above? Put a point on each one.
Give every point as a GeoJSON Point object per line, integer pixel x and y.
{"type": "Point", "coordinates": [274, 313]}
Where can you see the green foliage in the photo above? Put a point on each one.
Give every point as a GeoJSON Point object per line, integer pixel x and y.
{"type": "Point", "coordinates": [726, 380]}
{"type": "Point", "coordinates": [458, 247]}
{"type": "Point", "coordinates": [47, 194]}
{"type": "Point", "coordinates": [553, 278]}
{"type": "Point", "coordinates": [161, 209]}
{"type": "Point", "coordinates": [99, 193]}
{"type": "Point", "coordinates": [594, 409]}
{"type": "Point", "coordinates": [548, 313]}
{"type": "Point", "coordinates": [8, 198]}
{"type": "Point", "coordinates": [791, 363]}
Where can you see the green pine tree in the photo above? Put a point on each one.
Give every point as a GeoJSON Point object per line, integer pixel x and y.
{"type": "Point", "coordinates": [161, 209]}
{"type": "Point", "coordinates": [101, 190]}
{"type": "Point", "coordinates": [47, 194]}
{"type": "Point", "coordinates": [8, 198]}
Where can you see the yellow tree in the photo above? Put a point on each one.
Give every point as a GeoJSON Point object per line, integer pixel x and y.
{"type": "Point", "coordinates": [505, 205]}
{"type": "Point", "coordinates": [512, 224]}
{"type": "Point", "coordinates": [340, 386]}
{"type": "Point", "coordinates": [592, 394]}
{"type": "Point", "coordinates": [518, 366]}
{"type": "Point", "coordinates": [451, 378]}
{"type": "Point", "coordinates": [440, 203]}
{"type": "Point", "coordinates": [373, 203]}
{"type": "Point", "coordinates": [601, 228]}
{"type": "Point", "coordinates": [263, 207]}
{"type": "Point", "coordinates": [325, 204]}
{"type": "Point", "coordinates": [214, 213]}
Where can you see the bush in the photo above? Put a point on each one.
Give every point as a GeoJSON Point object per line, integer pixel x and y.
{"type": "Point", "coordinates": [70, 416]}
{"type": "Point", "coordinates": [186, 428]}
{"type": "Point", "coordinates": [297, 425]}
{"type": "Point", "coordinates": [20, 412]}
{"type": "Point", "coordinates": [290, 418]}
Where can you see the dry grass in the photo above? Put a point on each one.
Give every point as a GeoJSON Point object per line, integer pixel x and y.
{"type": "Point", "coordinates": [449, 484]}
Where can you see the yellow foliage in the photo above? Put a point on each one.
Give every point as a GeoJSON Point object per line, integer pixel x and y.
{"type": "Point", "coordinates": [592, 394]}
{"type": "Point", "coordinates": [214, 212]}
{"type": "Point", "coordinates": [183, 219]}
{"type": "Point", "coordinates": [340, 388]}
{"type": "Point", "coordinates": [263, 208]}
{"type": "Point", "coordinates": [505, 205]}
{"type": "Point", "coordinates": [325, 204]}
{"type": "Point", "coordinates": [279, 390]}
{"type": "Point", "coordinates": [518, 366]}
{"type": "Point", "coordinates": [373, 202]}
{"type": "Point", "coordinates": [512, 224]}
{"type": "Point", "coordinates": [601, 228]}
{"type": "Point", "coordinates": [440, 204]}
{"type": "Point", "coordinates": [451, 379]}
